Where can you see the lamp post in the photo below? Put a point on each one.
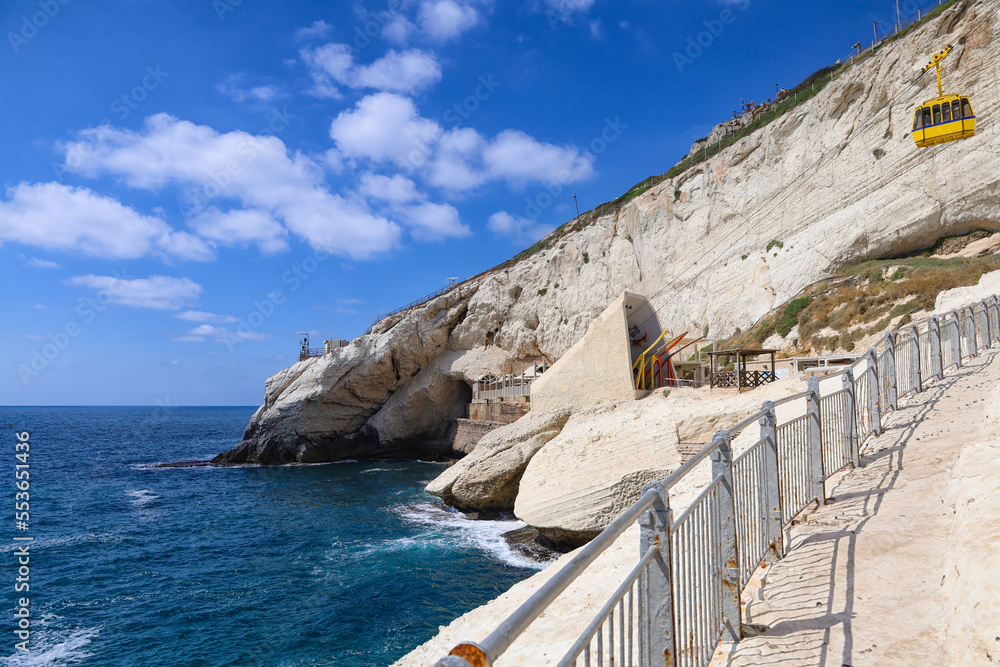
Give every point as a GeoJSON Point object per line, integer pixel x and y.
{"type": "Point", "coordinates": [577, 201]}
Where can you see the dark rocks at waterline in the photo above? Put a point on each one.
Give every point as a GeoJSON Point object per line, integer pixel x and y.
{"type": "Point", "coordinates": [268, 448]}
{"type": "Point", "coordinates": [531, 544]}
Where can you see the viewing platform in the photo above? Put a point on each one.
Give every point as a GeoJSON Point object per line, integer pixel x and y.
{"type": "Point", "coordinates": [740, 378]}
{"type": "Point", "coordinates": [305, 352]}
{"type": "Point", "coordinates": [504, 399]}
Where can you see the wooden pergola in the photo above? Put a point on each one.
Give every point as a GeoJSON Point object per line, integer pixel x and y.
{"type": "Point", "coordinates": [740, 378]}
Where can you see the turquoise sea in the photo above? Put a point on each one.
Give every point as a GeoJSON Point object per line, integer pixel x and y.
{"type": "Point", "coordinates": [340, 564]}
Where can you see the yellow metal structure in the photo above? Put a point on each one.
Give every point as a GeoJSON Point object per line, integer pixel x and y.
{"type": "Point", "coordinates": [944, 118]}
{"type": "Point", "coordinates": [643, 366]}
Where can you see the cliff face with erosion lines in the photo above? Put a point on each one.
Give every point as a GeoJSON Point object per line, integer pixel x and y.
{"type": "Point", "coordinates": [836, 180]}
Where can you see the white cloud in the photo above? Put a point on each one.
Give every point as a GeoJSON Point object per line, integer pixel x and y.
{"type": "Point", "coordinates": [59, 217]}
{"type": "Point", "coordinates": [42, 263]}
{"type": "Point", "coordinates": [214, 334]}
{"type": "Point", "coordinates": [232, 87]}
{"type": "Point", "coordinates": [316, 30]}
{"type": "Point", "coordinates": [263, 93]}
{"type": "Point", "coordinates": [387, 129]}
{"type": "Point", "coordinates": [241, 227]}
{"type": "Point", "coordinates": [400, 72]}
{"type": "Point", "coordinates": [565, 11]}
{"type": "Point", "coordinates": [518, 230]}
{"type": "Point", "coordinates": [328, 64]}
{"type": "Point", "coordinates": [187, 246]}
{"type": "Point", "coordinates": [395, 190]}
{"type": "Point", "coordinates": [438, 20]}
{"type": "Point", "coordinates": [257, 172]}
{"type": "Point", "coordinates": [457, 163]}
{"type": "Point", "coordinates": [433, 222]}
{"type": "Point", "coordinates": [427, 221]}
{"type": "Point", "coordinates": [405, 72]}
{"type": "Point", "coordinates": [202, 316]}
{"type": "Point", "coordinates": [442, 20]}
{"type": "Point", "coordinates": [515, 156]}
{"type": "Point", "coordinates": [398, 29]}
{"type": "Point", "coordinates": [569, 7]}
{"type": "Point", "coordinates": [332, 160]}
{"type": "Point", "coordinates": [158, 292]}
{"type": "Point", "coordinates": [595, 29]}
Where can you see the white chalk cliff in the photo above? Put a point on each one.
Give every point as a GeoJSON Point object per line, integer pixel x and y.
{"type": "Point", "coordinates": [837, 179]}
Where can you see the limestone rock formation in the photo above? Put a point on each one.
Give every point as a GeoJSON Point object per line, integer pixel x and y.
{"type": "Point", "coordinates": [365, 400]}
{"type": "Point", "coordinates": [468, 434]}
{"type": "Point", "coordinates": [489, 477]}
{"type": "Point", "coordinates": [949, 300]}
{"type": "Point", "coordinates": [836, 179]}
{"type": "Point", "coordinates": [595, 468]}
{"type": "Point", "coordinates": [597, 465]}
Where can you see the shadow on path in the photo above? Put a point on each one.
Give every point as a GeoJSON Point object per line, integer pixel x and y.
{"type": "Point", "coordinates": [799, 600]}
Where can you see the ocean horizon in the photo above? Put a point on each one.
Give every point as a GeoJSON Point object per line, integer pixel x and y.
{"type": "Point", "coordinates": [347, 563]}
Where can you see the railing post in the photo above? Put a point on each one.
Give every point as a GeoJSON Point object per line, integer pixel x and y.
{"type": "Point", "coordinates": [937, 362]}
{"type": "Point", "coordinates": [974, 348]}
{"type": "Point", "coordinates": [656, 609]}
{"type": "Point", "coordinates": [852, 421]}
{"type": "Point", "coordinates": [873, 394]}
{"type": "Point", "coordinates": [722, 465]}
{"type": "Point", "coordinates": [768, 432]}
{"type": "Point", "coordinates": [995, 312]}
{"type": "Point", "coordinates": [918, 385]}
{"type": "Point", "coordinates": [994, 320]}
{"type": "Point", "coordinates": [815, 434]}
{"type": "Point", "coordinates": [892, 387]}
{"type": "Point", "coordinates": [990, 328]}
{"type": "Point", "coordinates": [986, 325]}
{"type": "Point", "coordinates": [976, 335]}
{"type": "Point", "coordinates": [958, 341]}
{"type": "Point", "coordinates": [962, 332]}
{"type": "Point", "coordinates": [976, 328]}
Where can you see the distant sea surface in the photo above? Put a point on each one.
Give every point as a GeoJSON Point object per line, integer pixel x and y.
{"type": "Point", "coordinates": [132, 565]}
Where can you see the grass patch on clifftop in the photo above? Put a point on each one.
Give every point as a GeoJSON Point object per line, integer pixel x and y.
{"type": "Point", "coordinates": [862, 300]}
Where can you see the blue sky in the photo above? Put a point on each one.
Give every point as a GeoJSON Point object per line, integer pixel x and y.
{"type": "Point", "coordinates": [189, 185]}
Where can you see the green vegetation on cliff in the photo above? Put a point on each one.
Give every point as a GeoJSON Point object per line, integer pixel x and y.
{"type": "Point", "coordinates": [866, 298]}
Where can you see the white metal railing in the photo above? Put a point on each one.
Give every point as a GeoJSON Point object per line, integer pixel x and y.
{"type": "Point", "coordinates": [683, 596]}
{"type": "Point", "coordinates": [507, 386]}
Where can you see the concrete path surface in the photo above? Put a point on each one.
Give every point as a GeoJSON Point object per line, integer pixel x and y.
{"type": "Point", "coordinates": [900, 568]}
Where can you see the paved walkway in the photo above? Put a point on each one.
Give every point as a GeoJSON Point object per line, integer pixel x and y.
{"type": "Point", "coordinates": [866, 580]}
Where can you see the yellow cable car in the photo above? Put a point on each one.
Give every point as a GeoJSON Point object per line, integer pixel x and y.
{"type": "Point", "coordinates": [944, 118]}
